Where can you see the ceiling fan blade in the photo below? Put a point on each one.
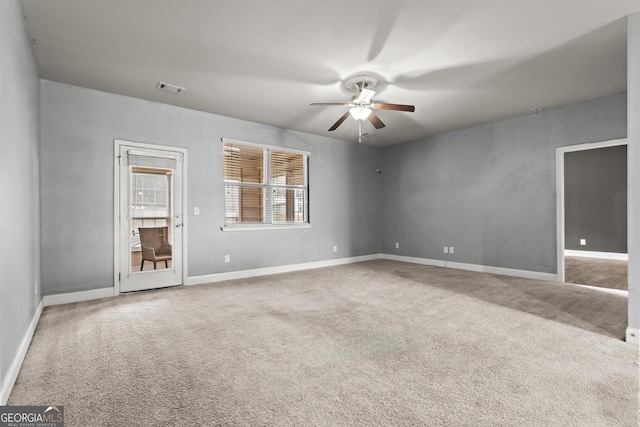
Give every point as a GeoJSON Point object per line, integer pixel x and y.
{"type": "Point", "coordinates": [343, 104]}
{"type": "Point", "coordinates": [339, 122]}
{"type": "Point", "coordinates": [375, 120]}
{"type": "Point", "coordinates": [397, 107]}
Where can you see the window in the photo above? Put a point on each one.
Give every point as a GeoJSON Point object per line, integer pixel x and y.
{"type": "Point", "coordinates": [150, 192]}
{"type": "Point", "coordinates": [265, 185]}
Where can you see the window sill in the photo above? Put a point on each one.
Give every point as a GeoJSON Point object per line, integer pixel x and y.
{"type": "Point", "coordinates": [256, 227]}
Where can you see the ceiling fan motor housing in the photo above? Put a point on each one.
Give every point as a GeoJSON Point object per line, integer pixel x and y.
{"type": "Point", "coordinates": [356, 84]}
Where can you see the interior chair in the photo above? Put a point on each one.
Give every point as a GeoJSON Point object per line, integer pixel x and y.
{"type": "Point", "coordinates": [155, 245]}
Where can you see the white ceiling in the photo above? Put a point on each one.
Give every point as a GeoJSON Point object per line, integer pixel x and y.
{"type": "Point", "coordinates": [460, 62]}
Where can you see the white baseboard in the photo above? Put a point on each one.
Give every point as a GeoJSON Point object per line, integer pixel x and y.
{"type": "Point", "coordinates": [243, 274]}
{"type": "Point", "coordinates": [14, 369]}
{"type": "Point", "coordinates": [413, 260]}
{"type": "Point", "coordinates": [525, 274]}
{"type": "Point", "coordinates": [633, 336]}
{"type": "Point", "coordinates": [592, 254]}
{"type": "Point", "coordinates": [619, 292]}
{"type": "Point", "coordinates": [58, 299]}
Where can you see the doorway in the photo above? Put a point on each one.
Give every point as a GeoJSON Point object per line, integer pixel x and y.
{"type": "Point", "coordinates": [149, 200]}
{"type": "Point", "coordinates": [591, 214]}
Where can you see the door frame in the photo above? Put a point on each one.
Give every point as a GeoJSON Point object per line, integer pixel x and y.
{"type": "Point", "coordinates": [560, 213]}
{"type": "Point", "coordinates": [117, 143]}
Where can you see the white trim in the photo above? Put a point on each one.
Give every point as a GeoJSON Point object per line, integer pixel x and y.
{"type": "Point", "coordinates": [560, 152]}
{"type": "Point", "coordinates": [525, 274]}
{"type": "Point", "coordinates": [57, 299]}
{"type": "Point", "coordinates": [116, 216]}
{"type": "Point", "coordinates": [593, 145]}
{"type": "Point", "coordinates": [594, 254]}
{"type": "Point", "coordinates": [560, 242]}
{"type": "Point", "coordinates": [14, 369]}
{"type": "Point", "coordinates": [632, 336]}
{"type": "Point", "coordinates": [414, 260]}
{"type": "Point", "coordinates": [243, 274]}
{"type": "Point", "coordinates": [619, 292]}
{"type": "Point", "coordinates": [117, 143]}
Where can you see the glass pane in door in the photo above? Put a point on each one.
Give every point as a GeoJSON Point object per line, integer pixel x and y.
{"type": "Point", "coordinates": [150, 219]}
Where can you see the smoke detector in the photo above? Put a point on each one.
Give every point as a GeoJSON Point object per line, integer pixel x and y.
{"type": "Point", "coordinates": [170, 88]}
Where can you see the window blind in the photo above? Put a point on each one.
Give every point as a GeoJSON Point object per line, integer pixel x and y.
{"type": "Point", "coordinates": [135, 159]}
{"type": "Point", "coordinates": [264, 185]}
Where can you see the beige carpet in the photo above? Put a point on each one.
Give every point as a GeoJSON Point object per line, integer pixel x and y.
{"type": "Point", "coordinates": [378, 343]}
{"type": "Point", "coordinates": [604, 273]}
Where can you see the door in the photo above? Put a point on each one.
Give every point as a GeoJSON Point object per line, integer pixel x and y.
{"type": "Point", "coordinates": [150, 216]}
{"type": "Point", "coordinates": [592, 214]}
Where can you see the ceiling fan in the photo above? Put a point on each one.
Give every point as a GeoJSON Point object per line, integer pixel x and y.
{"type": "Point", "coordinates": [361, 106]}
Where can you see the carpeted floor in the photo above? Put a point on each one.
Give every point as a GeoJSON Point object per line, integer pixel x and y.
{"type": "Point", "coordinates": [604, 273]}
{"type": "Point", "coordinates": [376, 343]}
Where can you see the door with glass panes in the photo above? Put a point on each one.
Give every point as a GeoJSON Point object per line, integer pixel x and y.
{"type": "Point", "coordinates": [150, 217]}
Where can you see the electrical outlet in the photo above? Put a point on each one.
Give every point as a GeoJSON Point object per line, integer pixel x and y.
{"type": "Point", "coordinates": [450, 249]}
{"type": "Point", "coordinates": [446, 249]}
{"type": "Point", "coordinates": [196, 210]}
{"type": "Point", "coordinates": [227, 258]}
{"type": "Point", "coordinates": [583, 242]}
{"type": "Point", "coordinates": [397, 245]}
{"type": "Point", "coordinates": [335, 248]}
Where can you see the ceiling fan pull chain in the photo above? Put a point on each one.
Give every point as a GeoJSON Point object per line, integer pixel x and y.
{"type": "Point", "coordinates": [360, 131]}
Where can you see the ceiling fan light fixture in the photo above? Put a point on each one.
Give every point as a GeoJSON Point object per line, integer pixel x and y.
{"type": "Point", "coordinates": [360, 113]}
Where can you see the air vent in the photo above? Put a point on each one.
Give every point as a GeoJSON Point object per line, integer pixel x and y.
{"type": "Point", "coordinates": [170, 88]}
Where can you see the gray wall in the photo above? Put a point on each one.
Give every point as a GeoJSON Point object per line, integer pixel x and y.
{"type": "Point", "coordinates": [78, 128]}
{"type": "Point", "coordinates": [595, 199]}
{"type": "Point", "coordinates": [19, 216]}
{"type": "Point", "coordinates": [488, 191]}
{"type": "Point", "coordinates": [633, 90]}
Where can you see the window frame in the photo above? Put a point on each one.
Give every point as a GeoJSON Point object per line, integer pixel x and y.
{"type": "Point", "coordinates": [268, 187]}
